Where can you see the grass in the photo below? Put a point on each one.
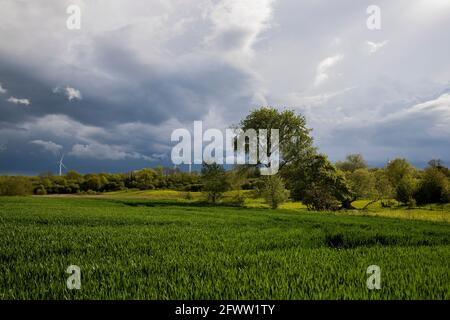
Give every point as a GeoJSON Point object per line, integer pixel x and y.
{"type": "Point", "coordinates": [170, 248]}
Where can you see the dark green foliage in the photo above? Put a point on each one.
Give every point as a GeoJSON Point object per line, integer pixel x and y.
{"type": "Point", "coordinates": [319, 184]}
{"type": "Point", "coordinates": [405, 190]}
{"type": "Point", "coordinates": [215, 181]}
{"type": "Point", "coordinates": [434, 187]}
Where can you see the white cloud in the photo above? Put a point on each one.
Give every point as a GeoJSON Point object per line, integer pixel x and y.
{"type": "Point", "coordinates": [63, 126]}
{"type": "Point", "coordinates": [101, 151]}
{"type": "Point", "coordinates": [237, 24]}
{"type": "Point", "coordinates": [437, 110]}
{"type": "Point", "coordinates": [71, 93]}
{"type": "Point", "coordinates": [2, 90]}
{"type": "Point", "coordinates": [19, 101]}
{"type": "Point", "coordinates": [318, 99]}
{"type": "Point", "coordinates": [375, 46]}
{"type": "Point", "coordinates": [48, 145]}
{"type": "Point", "coordinates": [322, 69]}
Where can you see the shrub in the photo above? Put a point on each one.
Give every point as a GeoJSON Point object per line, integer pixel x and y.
{"type": "Point", "coordinates": [40, 190]}
{"type": "Point", "coordinates": [319, 198]}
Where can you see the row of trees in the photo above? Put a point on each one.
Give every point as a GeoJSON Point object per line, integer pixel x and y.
{"type": "Point", "coordinates": [304, 174]}
{"type": "Point", "coordinates": [74, 182]}
{"type": "Point", "coordinates": [311, 178]}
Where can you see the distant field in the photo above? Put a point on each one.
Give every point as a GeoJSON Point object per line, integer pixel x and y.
{"type": "Point", "coordinates": [430, 212]}
{"type": "Point", "coordinates": [171, 248]}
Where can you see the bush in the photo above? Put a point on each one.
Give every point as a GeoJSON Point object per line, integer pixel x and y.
{"type": "Point", "coordinates": [319, 199]}
{"type": "Point", "coordinates": [40, 190]}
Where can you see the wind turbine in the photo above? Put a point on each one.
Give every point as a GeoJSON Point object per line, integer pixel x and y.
{"type": "Point", "coordinates": [61, 164]}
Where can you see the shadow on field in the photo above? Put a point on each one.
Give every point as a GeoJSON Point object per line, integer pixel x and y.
{"type": "Point", "coordinates": [173, 203]}
{"type": "Point", "coordinates": [350, 240]}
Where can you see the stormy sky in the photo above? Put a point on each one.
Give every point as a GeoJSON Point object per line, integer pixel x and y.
{"type": "Point", "coordinates": [109, 94]}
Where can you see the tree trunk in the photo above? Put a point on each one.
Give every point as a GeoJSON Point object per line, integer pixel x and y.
{"type": "Point", "coordinates": [347, 204]}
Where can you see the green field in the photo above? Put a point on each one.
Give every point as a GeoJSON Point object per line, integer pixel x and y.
{"type": "Point", "coordinates": [164, 247]}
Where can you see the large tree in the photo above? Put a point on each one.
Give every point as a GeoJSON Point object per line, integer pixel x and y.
{"type": "Point", "coordinates": [309, 176]}
{"type": "Point", "coordinates": [295, 141]}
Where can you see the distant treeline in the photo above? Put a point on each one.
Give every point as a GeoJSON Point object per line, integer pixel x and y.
{"type": "Point", "coordinates": [397, 180]}
{"type": "Point", "coordinates": [73, 182]}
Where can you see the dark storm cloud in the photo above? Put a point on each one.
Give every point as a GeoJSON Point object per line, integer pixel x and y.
{"type": "Point", "coordinates": [136, 71]}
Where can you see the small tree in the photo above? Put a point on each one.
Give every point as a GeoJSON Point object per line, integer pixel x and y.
{"type": "Point", "coordinates": [383, 187]}
{"type": "Point", "coordinates": [319, 197]}
{"type": "Point", "coordinates": [274, 191]}
{"type": "Point", "coordinates": [398, 169]}
{"type": "Point", "coordinates": [352, 162]}
{"type": "Point", "coordinates": [215, 181]}
{"type": "Point", "coordinates": [362, 183]}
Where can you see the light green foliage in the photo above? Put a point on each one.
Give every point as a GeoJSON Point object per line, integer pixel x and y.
{"type": "Point", "coordinates": [15, 186]}
{"type": "Point", "coordinates": [273, 191]}
{"type": "Point", "coordinates": [398, 169]}
{"type": "Point", "coordinates": [383, 187]}
{"type": "Point", "coordinates": [362, 183]}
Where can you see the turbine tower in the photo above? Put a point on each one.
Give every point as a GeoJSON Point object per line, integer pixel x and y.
{"type": "Point", "coordinates": [61, 164]}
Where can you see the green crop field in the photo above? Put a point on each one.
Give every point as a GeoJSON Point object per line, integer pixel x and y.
{"type": "Point", "coordinates": [165, 248]}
